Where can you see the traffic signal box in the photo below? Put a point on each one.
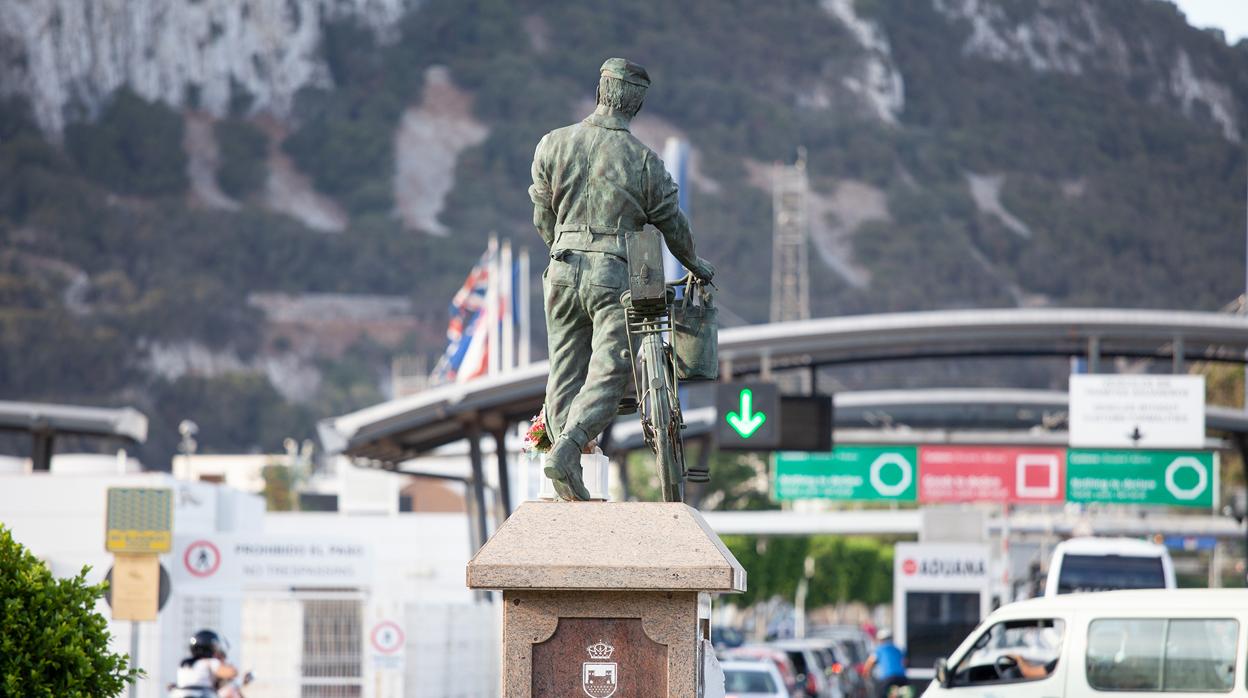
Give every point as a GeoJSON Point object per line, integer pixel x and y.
{"type": "Point", "coordinates": [752, 416]}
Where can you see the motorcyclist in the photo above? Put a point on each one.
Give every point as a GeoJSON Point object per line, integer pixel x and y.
{"type": "Point", "coordinates": [202, 673]}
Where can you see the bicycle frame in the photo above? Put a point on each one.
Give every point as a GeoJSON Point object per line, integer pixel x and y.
{"type": "Point", "coordinates": [654, 377]}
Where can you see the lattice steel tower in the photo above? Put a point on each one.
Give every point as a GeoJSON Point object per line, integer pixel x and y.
{"type": "Point", "coordinates": [790, 269]}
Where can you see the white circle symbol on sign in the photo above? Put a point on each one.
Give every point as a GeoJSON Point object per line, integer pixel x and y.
{"type": "Point", "coordinates": [1190, 493]}
{"type": "Point", "coordinates": [907, 474]}
{"type": "Point", "coordinates": [387, 637]}
{"type": "Point", "coordinates": [201, 558]}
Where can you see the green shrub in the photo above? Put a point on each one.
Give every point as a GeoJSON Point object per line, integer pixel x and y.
{"type": "Point", "coordinates": [135, 147]}
{"type": "Point", "coordinates": [243, 149]}
{"type": "Point", "coordinates": [54, 643]}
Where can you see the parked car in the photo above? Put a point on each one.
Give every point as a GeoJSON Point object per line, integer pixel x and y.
{"type": "Point", "coordinates": [752, 679]}
{"type": "Point", "coordinates": [726, 637]}
{"type": "Point", "coordinates": [853, 678]}
{"type": "Point", "coordinates": [856, 641]}
{"type": "Point", "coordinates": [815, 666]}
{"type": "Point", "coordinates": [1181, 643]}
{"type": "Point", "coordinates": [788, 673]}
{"type": "Point", "coordinates": [837, 667]}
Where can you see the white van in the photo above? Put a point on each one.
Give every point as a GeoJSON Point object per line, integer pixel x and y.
{"type": "Point", "coordinates": [1104, 564]}
{"type": "Point", "coordinates": [1188, 642]}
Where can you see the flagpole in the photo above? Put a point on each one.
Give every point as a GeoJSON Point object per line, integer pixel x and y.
{"type": "Point", "coordinates": [491, 309]}
{"type": "Point", "coordinates": [508, 355]}
{"type": "Point", "coordinates": [526, 333]}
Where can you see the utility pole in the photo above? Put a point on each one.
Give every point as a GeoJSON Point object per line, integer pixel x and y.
{"type": "Point", "coordinates": [790, 270]}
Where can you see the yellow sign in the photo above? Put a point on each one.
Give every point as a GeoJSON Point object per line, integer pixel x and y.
{"type": "Point", "coordinates": [140, 520]}
{"type": "Point", "coordinates": [135, 590]}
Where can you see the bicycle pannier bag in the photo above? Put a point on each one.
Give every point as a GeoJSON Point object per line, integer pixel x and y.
{"type": "Point", "coordinates": [645, 270]}
{"type": "Point", "coordinates": [695, 336]}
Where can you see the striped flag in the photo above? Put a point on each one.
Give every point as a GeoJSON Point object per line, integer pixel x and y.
{"type": "Point", "coordinates": [467, 312]}
{"type": "Point", "coordinates": [481, 336]}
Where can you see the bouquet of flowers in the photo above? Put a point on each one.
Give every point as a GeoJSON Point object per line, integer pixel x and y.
{"type": "Point", "coordinates": [538, 438]}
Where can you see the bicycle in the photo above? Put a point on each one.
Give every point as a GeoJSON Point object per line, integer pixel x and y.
{"type": "Point", "coordinates": [656, 383]}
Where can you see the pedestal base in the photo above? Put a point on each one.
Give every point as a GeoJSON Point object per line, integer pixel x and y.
{"type": "Point", "coordinates": [605, 600]}
{"type": "Point", "coordinates": [620, 644]}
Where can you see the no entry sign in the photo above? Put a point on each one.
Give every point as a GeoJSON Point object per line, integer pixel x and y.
{"type": "Point", "coordinates": [202, 558]}
{"type": "Point", "coordinates": [387, 637]}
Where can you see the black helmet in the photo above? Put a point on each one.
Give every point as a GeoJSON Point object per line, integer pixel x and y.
{"type": "Point", "coordinates": [205, 644]}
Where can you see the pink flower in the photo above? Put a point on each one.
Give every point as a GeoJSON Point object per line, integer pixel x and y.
{"type": "Point", "coordinates": [537, 439]}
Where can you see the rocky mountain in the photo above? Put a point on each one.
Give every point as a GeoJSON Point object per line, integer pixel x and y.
{"type": "Point", "coordinates": [261, 203]}
{"type": "Point", "coordinates": [69, 57]}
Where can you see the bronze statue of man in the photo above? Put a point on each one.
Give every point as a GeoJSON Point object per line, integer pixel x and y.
{"type": "Point", "coordinates": [593, 183]}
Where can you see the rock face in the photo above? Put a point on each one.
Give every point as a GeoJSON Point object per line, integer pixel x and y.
{"type": "Point", "coordinates": [426, 149]}
{"type": "Point", "coordinates": [1058, 36]}
{"type": "Point", "coordinates": [67, 56]}
{"type": "Point", "coordinates": [875, 78]}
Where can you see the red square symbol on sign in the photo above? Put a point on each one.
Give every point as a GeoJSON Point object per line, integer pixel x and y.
{"type": "Point", "coordinates": [1037, 475]}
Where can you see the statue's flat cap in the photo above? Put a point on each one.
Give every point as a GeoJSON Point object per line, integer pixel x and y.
{"type": "Point", "coordinates": [626, 70]}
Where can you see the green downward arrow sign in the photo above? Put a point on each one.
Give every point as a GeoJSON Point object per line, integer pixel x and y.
{"type": "Point", "coordinates": [746, 421]}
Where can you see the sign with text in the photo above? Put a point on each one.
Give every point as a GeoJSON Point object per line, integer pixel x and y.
{"type": "Point", "coordinates": [991, 474]}
{"type": "Point", "coordinates": [1137, 411]}
{"type": "Point", "coordinates": [848, 472]}
{"type": "Point", "coordinates": [134, 589]}
{"type": "Point", "coordinates": [1166, 478]}
{"type": "Point", "coordinates": [139, 520]}
{"type": "Point", "coordinates": [749, 416]}
{"type": "Point", "coordinates": [163, 588]}
{"type": "Point", "coordinates": [940, 564]}
{"type": "Point", "coordinates": [235, 562]}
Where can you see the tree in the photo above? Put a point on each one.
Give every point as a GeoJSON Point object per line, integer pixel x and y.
{"type": "Point", "coordinates": [244, 149]}
{"type": "Point", "coordinates": [54, 643]}
{"type": "Point", "coordinates": [279, 487]}
{"type": "Point", "coordinates": [846, 569]}
{"type": "Point", "coordinates": [135, 147]}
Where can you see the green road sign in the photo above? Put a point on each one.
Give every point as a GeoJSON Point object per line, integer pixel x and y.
{"type": "Point", "coordinates": [888, 473]}
{"type": "Point", "coordinates": [1166, 478]}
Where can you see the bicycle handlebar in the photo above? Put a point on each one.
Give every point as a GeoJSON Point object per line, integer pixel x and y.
{"type": "Point", "coordinates": [688, 279]}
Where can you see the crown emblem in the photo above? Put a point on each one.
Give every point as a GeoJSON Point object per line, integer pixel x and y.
{"type": "Point", "coordinates": [600, 651]}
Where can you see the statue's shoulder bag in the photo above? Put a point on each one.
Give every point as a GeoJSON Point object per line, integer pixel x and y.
{"type": "Point", "coordinates": [695, 335]}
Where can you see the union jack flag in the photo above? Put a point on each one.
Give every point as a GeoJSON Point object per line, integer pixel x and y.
{"type": "Point", "coordinates": [465, 356]}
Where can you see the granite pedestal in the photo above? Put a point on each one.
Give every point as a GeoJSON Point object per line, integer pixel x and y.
{"type": "Point", "coordinates": [605, 599]}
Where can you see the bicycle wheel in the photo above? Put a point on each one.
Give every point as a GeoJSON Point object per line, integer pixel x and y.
{"type": "Point", "coordinates": [664, 430]}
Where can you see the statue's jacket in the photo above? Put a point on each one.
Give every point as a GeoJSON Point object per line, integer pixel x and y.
{"type": "Point", "coordinates": [594, 182]}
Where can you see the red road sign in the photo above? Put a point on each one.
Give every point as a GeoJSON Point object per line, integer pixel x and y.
{"type": "Point", "coordinates": [387, 637]}
{"type": "Point", "coordinates": [202, 558]}
{"type": "Point", "coordinates": [992, 474]}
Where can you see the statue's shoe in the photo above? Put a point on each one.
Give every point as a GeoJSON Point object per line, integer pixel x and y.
{"type": "Point", "coordinates": [563, 467]}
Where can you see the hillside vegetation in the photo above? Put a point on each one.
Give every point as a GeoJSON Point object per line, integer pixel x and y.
{"type": "Point", "coordinates": [1103, 166]}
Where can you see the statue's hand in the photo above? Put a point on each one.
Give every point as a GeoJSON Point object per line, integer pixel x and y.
{"type": "Point", "coordinates": [704, 270]}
